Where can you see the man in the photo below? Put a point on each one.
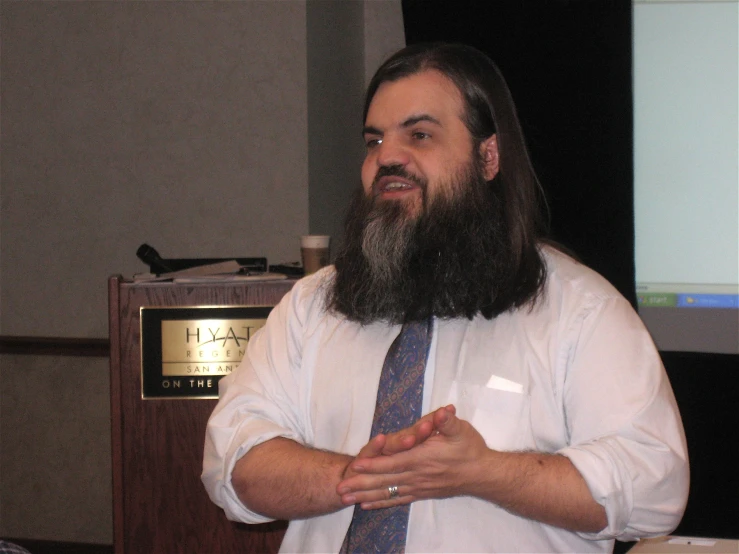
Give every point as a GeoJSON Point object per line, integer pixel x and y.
{"type": "Point", "coordinates": [549, 422]}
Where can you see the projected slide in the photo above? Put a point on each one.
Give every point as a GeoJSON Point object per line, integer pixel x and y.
{"type": "Point", "coordinates": [686, 172]}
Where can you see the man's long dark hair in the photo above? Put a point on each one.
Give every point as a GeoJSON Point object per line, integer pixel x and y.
{"type": "Point", "coordinates": [489, 109]}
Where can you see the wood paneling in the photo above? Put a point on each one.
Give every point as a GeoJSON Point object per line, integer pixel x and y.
{"type": "Point", "coordinates": [56, 547]}
{"type": "Point", "coordinates": [54, 346]}
{"type": "Point", "coordinates": [160, 505]}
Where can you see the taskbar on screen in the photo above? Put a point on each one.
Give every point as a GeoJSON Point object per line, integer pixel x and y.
{"type": "Point", "coordinates": [681, 295]}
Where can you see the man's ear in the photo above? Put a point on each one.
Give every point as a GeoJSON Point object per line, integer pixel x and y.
{"type": "Point", "coordinates": [490, 157]}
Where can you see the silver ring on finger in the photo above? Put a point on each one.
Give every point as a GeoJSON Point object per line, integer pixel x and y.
{"type": "Point", "coordinates": [393, 491]}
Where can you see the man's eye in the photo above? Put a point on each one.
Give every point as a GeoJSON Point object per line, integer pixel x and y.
{"type": "Point", "coordinates": [420, 135]}
{"type": "Point", "coordinates": [370, 143]}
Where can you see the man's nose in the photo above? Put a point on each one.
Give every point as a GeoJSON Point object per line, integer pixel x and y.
{"type": "Point", "coordinates": [392, 152]}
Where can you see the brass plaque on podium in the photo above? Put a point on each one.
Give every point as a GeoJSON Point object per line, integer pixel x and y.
{"type": "Point", "coordinates": [185, 351]}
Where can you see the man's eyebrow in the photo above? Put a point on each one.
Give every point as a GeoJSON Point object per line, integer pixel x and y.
{"type": "Point", "coordinates": [371, 131]}
{"type": "Point", "coordinates": [418, 118]}
{"type": "Point", "coordinates": [410, 122]}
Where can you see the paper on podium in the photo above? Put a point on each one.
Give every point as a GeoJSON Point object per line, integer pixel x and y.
{"type": "Point", "coordinates": [230, 267]}
{"type": "Point", "coordinates": [249, 277]}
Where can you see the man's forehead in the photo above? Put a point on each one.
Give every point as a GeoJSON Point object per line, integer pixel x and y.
{"type": "Point", "coordinates": [429, 95]}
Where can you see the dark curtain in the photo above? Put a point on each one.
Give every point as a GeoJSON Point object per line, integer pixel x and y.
{"type": "Point", "coordinates": [568, 64]}
{"type": "Point", "coordinates": [707, 391]}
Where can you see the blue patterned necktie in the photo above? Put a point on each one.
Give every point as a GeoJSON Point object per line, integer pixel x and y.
{"type": "Point", "coordinates": [399, 398]}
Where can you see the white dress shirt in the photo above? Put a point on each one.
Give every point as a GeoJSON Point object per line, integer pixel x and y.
{"type": "Point", "coordinates": [576, 375]}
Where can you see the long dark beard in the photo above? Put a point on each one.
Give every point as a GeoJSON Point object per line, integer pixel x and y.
{"type": "Point", "coordinates": [449, 261]}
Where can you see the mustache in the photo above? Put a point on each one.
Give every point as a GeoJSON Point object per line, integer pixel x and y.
{"type": "Point", "coordinates": [398, 170]}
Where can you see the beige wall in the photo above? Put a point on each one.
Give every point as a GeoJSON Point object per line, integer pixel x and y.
{"type": "Point", "coordinates": [192, 126]}
{"type": "Point", "coordinates": [340, 63]}
{"type": "Point", "coordinates": [179, 124]}
{"type": "Point", "coordinates": [55, 462]}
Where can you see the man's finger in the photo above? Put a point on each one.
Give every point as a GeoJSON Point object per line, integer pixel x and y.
{"type": "Point", "coordinates": [387, 496]}
{"type": "Point", "coordinates": [416, 434]}
{"type": "Point", "coordinates": [374, 447]}
{"type": "Point", "coordinates": [387, 503]}
{"type": "Point", "coordinates": [408, 438]}
{"type": "Point", "coordinates": [446, 421]}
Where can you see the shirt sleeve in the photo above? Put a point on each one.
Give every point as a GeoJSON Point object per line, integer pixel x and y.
{"type": "Point", "coordinates": [257, 402]}
{"type": "Point", "coordinates": [626, 435]}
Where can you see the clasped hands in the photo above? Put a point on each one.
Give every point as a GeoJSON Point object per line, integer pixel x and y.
{"type": "Point", "coordinates": [437, 457]}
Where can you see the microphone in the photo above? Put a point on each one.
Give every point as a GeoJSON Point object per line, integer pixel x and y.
{"type": "Point", "coordinates": [149, 256]}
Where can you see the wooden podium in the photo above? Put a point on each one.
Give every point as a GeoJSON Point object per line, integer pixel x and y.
{"type": "Point", "coordinates": [159, 503]}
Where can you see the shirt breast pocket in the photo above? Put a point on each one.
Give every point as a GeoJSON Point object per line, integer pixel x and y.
{"type": "Point", "coordinates": [502, 417]}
